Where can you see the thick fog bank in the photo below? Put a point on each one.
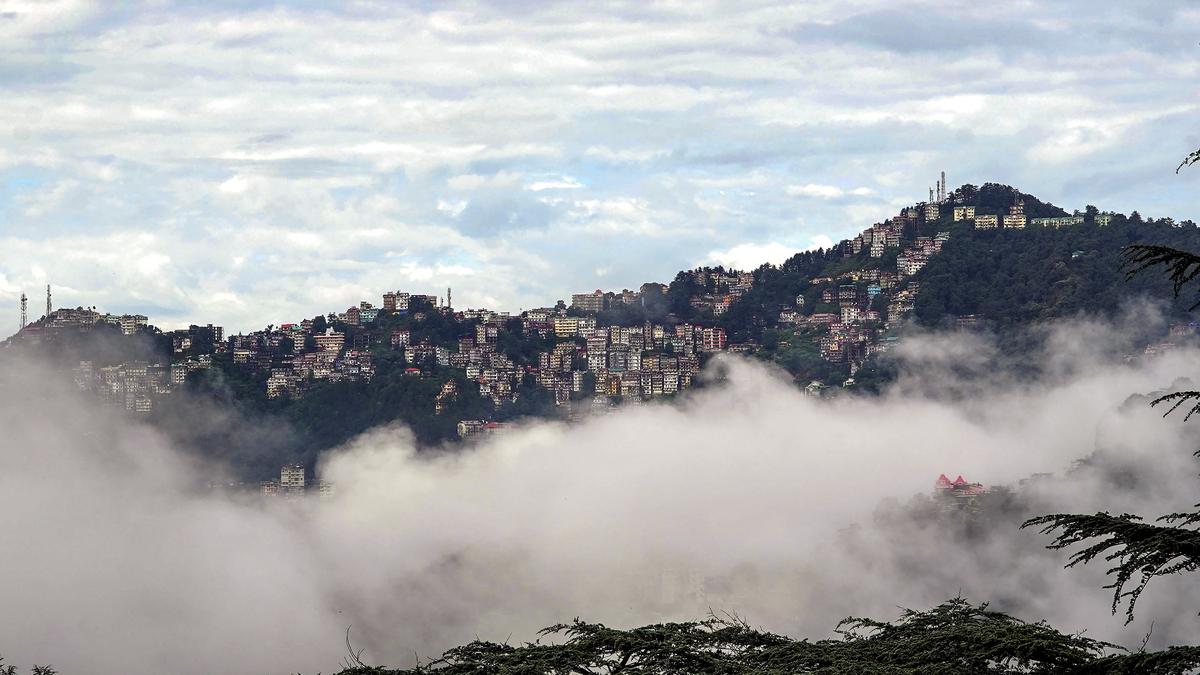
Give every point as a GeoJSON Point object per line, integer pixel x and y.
{"type": "Point", "coordinates": [748, 497]}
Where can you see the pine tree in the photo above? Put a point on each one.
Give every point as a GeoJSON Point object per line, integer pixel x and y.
{"type": "Point", "coordinates": [1137, 550]}
{"type": "Point", "coordinates": [954, 637]}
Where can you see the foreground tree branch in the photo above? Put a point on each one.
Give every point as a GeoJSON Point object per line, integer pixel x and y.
{"type": "Point", "coordinates": [1140, 551]}
{"type": "Point", "coordinates": [954, 637]}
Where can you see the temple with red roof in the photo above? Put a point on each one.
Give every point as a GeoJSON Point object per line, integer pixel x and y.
{"type": "Point", "coordinates": [959, 487]}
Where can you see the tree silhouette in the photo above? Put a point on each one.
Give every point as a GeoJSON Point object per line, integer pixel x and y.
{"type": "Point", "coordinates": [1138, 551]}
{"type": "Point", "coordinates": [954, 637]}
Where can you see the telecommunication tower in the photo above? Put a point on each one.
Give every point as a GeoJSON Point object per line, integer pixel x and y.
{"type": "Point", "coordinates": [47, 301]}
{"type": "Point", "coordinates": [24, 311]}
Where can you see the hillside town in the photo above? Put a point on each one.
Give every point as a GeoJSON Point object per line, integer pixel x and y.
{"type": "Point", "coordinates": [589, 353]}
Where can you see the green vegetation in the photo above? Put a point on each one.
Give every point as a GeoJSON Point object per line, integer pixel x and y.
{"type": "Point", "coordinates": [954, 637]}
{"type": "Point", "coordinates": [36, 670]}
{"type": "Point", "coordinates": [1138, 551]}
{"type": "Point", "coordinates": [1013, 278]}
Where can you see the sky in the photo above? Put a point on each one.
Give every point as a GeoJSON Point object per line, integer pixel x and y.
{"type": "Point", "coordinates": [246, 163]}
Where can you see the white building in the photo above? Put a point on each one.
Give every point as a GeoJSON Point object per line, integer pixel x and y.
{"type": "Point", "coordinates": [291, 478]}
{"type": "Point", "coordinates": [986, 221]}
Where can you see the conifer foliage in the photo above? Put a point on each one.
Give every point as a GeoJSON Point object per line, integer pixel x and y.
{"type": "Point", "coordinates": [954, 637]}
{"type": "Point", "coordinates": [1137, 550]}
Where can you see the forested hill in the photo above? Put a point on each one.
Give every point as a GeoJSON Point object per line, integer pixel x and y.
{"type": "Point", "coordinates": [1014, 277]}
{"type": "Point", "coordinates": [828, 317]}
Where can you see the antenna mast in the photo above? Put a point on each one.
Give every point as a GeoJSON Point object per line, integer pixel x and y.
{"type": "Point", "coordinates": [24, 311]}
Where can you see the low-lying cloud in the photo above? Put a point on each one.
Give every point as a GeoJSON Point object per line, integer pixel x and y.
{"type": "Point", "coordinates": [746, 496]}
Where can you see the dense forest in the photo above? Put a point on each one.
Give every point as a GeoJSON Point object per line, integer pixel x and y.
{"type": "Point", "coordinates": [1017, 277]}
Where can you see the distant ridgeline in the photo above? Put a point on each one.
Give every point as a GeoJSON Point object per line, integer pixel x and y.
{"type": "Point", "coordinates": [987, 256]}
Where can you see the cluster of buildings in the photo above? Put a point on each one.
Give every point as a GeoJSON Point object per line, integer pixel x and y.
{"type": "Point", "coordinates": [881, 236]}
{"type": "Point", "coordinates": [846, 317]}
{"type": "Point", "coordinates": [958, 492]}
{"type": "Point", "coordinates": [847, 335]}
{"type": "Point", "coordinates": [297, 354]}
{"type": "Point", "coordinates": [79, 319]}
{"type": "Point", "coordinates": [1013, 220]}
{"type": "Point", "coordinates": [293, 485]}
{"type": "Point", "coordinates": [135, 385]}
{"type": "Point", "coordinates": [858, 306]}
{"type": "Point", "coordinates": [1179, 334]}
{"type": "Point", "coordinates": [632, 362]}
{"type": "Point", "coordinates": [912, 259]}
{"type": "Point", "coordinates": [852, 323]}
{"type": "Point", "coordinates": [727, 288]}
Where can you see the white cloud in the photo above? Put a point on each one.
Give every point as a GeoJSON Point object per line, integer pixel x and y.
{"type": "Point", "coordinates": [623, 155]}
{"type": "Point", "coordinates": [751, 256]}
{"type": "Point", "coordinates": [651, 137]}
{"type": "Point", "coordinates": [827, 191]}
{"type": "Point", "coordinates": [613, 519]}
{"type": "Point", "coordinates": [472, 181]}
{"type": "Point", "coordinates": [563, 183]}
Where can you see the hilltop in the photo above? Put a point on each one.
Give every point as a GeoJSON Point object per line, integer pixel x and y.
{"type": "Point", "coordinates": [989, 257]}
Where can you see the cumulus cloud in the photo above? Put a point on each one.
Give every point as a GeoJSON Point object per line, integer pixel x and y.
{"type": "Point", "coordinates": [826, 191]}
{"type": "Point", "coordinates": [751, 256]}
{"type": "Point", "coordinates": [745, 496]}
{"type": "Point", "coordinates": [562, 183]}
{"type": "Point", "coordinates": [636, 138]}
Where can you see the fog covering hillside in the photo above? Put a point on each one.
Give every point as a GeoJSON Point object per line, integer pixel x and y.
{"type": "Point", "coordinates": [1009, 281]}
{"type": "Point", "coordinates": [657, 513]}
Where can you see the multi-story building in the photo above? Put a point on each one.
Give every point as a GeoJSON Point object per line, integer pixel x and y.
{"type": "Point", "coordinates": [395, 301]}
{"type": "Point", "coordinates": [131, 323]}
{"type": "Point", "coordinates": [487, 335]}
{"type": "Point", "coordinates": [291, 478]}
{"type": "Point", "coordinates": [280, 382]}
{"type": "Point", "coordinates": [847, 294]}
{"type": "Point", "coordinates": [1061, 221]}
{"type": "Point", "coordinates": [566, 326]}
{"type": "Point", "coordinates": [330, 341]}
{"type": "Point", "coordinates": [713, 339]}
{"type": "Point", "coordinates": [588, 302]}
{"type": "Point", "coordinates": [986, 221]}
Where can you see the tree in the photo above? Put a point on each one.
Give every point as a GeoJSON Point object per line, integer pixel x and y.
{"type": "Point", "coordinates": [1189, 160]}
{"type": "Point", "coordinates": [37, 670]}
{"type": "Point", "coordinates": [954, 637]}
{"type": "Point", "coordinates": [1139, 551]}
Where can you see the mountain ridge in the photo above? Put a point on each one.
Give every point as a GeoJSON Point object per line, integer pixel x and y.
{"type": "Point", "coordinates": [827, 317]}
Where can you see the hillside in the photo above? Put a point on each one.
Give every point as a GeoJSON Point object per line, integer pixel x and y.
{"type": "Point", "coordinates": [1021, 276]}
{"type": "Point", "coordinates": [988, 257]}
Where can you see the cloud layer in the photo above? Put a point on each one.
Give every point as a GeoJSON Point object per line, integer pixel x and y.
{"type": "Point", "coordinates": [251, 163]}
{"type": "Point", "coordinates": [746, 497]}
